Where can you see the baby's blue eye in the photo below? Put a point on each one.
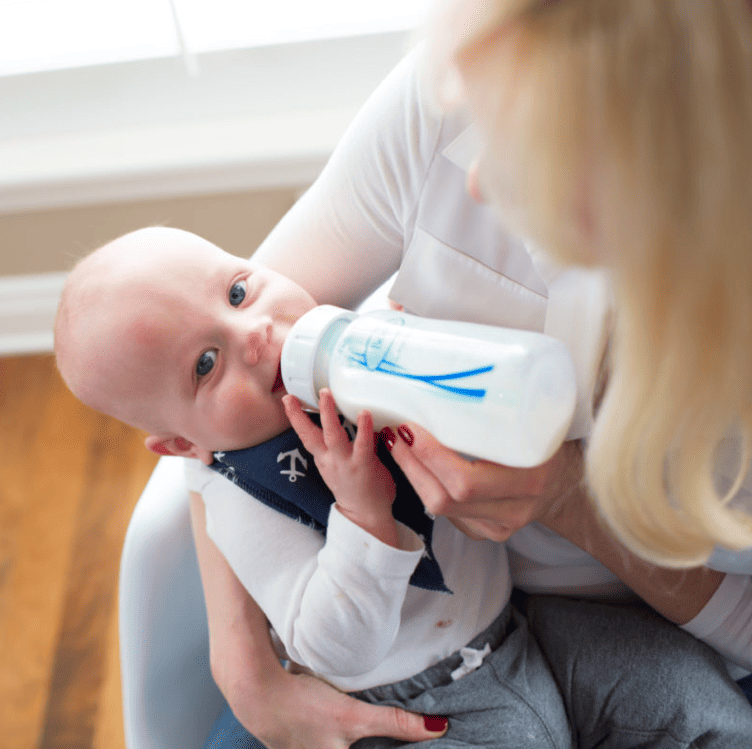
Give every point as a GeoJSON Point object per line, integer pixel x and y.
{"type": "Point", "coordinates": [205, 363]}
{"type": "Point", "coordinates": [237, 293]}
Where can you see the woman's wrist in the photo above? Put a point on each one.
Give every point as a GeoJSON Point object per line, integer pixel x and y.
{"type": "Point", "coordinates": [571, 516]}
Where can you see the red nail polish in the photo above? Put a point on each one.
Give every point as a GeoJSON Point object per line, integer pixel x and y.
{"type": "Point", "coordinates": [406, 434]}
{"type": "Point", "coordinates": [435, 723]}
{"type": "Point", "coordinates": [388, 437]}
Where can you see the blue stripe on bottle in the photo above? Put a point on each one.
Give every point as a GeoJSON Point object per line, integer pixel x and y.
{"type": "Point", "coordinates": [437, 381]}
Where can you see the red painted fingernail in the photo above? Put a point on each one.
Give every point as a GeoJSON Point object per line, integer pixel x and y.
{"type": "Point", "coordinates": [435, 723]}
{"type": "Point", "coordinates": [406, 434]}
{"type": "Point", "coordinates": [388, 437]}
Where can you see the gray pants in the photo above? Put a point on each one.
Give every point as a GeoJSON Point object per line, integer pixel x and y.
{"type": "Point", "coordinates": [629, 678]}
{"type": "Point", "coordinates": [578, 674]}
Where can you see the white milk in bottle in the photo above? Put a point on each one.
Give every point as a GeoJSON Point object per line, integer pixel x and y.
{"type": "Point", "coordinates": [504, 395]}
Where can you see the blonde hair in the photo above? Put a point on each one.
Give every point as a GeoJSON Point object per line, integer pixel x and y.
{"type": "Point", "coordinates": [624, 127]}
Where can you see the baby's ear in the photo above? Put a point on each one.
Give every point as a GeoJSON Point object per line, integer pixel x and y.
{"type": "Point", "coordinates": [168, 445]}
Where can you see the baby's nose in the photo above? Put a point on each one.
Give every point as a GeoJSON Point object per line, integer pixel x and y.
{"type": "Point", "coordinates": [256, 341]}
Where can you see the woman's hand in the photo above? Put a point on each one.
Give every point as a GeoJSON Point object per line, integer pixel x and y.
{"type": "Point", "coordinates": [486, 500]}
{"type": "Point", "coordinates": [483, 499]}
{"type": "Point", "coordinates": [361, 484]}
{"type": "Point", "coordinates": [286, 711]}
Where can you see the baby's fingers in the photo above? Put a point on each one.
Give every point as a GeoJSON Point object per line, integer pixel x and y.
{"type": "Point", "coordinates": [310, 435]}
{"type": "Point", "coordinates": [335, 436]}
{"type": "Point", "coordinates": [364, 444]}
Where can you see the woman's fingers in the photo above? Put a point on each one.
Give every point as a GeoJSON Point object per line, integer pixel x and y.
{"type": "Point", "coordinates": [306, 713]}
{"type": "Point", "coordinates": [398, 724]}
{"type": "Point", "coordinates": [466, 480]}
{"type": "Point", "coordinates": [494, 500]}
{"type": "Point", "coordinates": [431, 491]}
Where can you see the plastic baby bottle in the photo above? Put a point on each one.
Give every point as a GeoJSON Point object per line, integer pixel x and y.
{"type": "Point", "coordinates": [504, 395]}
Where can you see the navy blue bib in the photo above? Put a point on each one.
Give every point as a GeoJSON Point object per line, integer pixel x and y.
{"type": "Point", "coordinates": [283, 475]}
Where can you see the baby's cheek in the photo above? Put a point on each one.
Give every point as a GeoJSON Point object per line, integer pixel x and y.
{"type": "Point", "coordinates": [236, 404]}
{"type": "Point", "coordinates": [238, 391]}
{"type": "Point", "coordinates": [243, 396]}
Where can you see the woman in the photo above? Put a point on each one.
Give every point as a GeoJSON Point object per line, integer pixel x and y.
{"type": "Point", "coordinates": [393, 187]}
{"type": "Point", "coordinates": [631, 129]}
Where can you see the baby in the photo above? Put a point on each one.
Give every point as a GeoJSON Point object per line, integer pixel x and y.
{"type": "Point", "coordinates": [166, 332]}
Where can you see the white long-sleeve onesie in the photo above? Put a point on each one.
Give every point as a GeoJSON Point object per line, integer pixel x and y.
{"type": "Point", "coordinates": [343, 607]}
{"type": "Point", "coordinates": [393, 198]}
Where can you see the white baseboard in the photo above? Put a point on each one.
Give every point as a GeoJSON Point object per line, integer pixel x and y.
{"type": "Point", "coordinates": [27, 312]}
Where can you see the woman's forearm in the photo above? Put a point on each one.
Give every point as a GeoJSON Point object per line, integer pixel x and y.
{"type": "Point", "coordinates": [236, 623]}
{"type": "Point", "coordinates": [677, 594]}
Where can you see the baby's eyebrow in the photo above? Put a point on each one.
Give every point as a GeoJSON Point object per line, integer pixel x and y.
{"type": "Point", "coordinates": [231, 275]}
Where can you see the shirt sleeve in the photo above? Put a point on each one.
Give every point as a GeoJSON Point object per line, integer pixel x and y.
{"type": "Point", "coordinates": [346, 235]}
{"type": "Point", "coordinates": [726, 620]}
{"type": "Point", "coordinates": [336, 603]}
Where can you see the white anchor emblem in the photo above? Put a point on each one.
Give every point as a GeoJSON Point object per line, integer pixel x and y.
{"type": "Point", "coordinates": [293, 472]}
{"type": "Point", "coordinates": [426, 553]}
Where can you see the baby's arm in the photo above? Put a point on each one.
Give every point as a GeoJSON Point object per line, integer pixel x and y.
{"type": "Point", "coordinates": [336, 603]}
{"type": "Point", "coordinates": [362, 486]}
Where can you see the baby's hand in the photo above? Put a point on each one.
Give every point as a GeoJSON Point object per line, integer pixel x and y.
{"type": "Point", "coordinates": [362, 486]}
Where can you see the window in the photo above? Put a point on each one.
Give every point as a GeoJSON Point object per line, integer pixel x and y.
{"type": "Point", "coordinates": [96, 105]}
{"type": "Point", "coordinates": [44, 35]}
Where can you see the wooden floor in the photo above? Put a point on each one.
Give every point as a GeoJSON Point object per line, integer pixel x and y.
{"type": "Point", "coordinates": [69, 479]}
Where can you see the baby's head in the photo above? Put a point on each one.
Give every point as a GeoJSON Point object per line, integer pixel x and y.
{"type": "Point", "coordinates": [167, 332]}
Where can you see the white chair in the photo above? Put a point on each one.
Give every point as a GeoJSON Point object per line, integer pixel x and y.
{"type": "Point", "coordinates": [170, 700]}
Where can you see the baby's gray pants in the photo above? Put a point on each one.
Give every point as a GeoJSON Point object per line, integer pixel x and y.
{"type": "Point", "coordinates": [578, 674]}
